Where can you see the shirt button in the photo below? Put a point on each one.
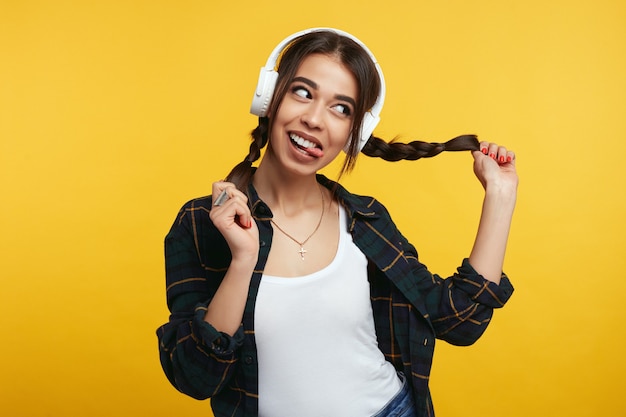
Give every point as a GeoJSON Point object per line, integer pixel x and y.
{"type": "Point", "coordinates": [248, 360]}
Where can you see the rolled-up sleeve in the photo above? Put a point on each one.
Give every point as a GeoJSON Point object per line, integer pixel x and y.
{"type": "Point", "coordinates": [482, 291]}
{"type": "Point", "coordinates": [462, 305]}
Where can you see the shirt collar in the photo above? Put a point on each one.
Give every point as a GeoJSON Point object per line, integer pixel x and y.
{"type": "Point", "coordinates": [357, 206]}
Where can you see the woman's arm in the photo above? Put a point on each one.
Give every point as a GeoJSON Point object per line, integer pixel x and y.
{"type": "Point", "coordinates": [494, 166]}
{"type": "Point", "coordinates": [234, 221]}
{"type": "Point", "coordinates": [197, 359]}
{"type": "Point", "coordinates": [199, 344]}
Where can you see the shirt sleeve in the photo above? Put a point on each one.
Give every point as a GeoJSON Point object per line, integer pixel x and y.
{"type": "Point", "coordinates": [460, 307]}
{"type": "Point", "coordinates": [196, 358]}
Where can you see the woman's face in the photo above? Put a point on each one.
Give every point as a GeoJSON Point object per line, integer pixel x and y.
{"type": "Point", "coordinates": [314, 119]}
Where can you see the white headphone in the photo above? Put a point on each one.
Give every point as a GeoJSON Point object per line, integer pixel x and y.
{"type": "Point", "coordinates": [268, 76]}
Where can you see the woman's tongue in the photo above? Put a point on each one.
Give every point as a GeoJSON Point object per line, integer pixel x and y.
{"type": "Point", "coordinates": [313, 150]}
{"type": "Point", "coordinates": [316, 152]}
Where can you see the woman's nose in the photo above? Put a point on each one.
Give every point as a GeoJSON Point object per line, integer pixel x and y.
{"type": "Point", "coordinates": [313, 116]}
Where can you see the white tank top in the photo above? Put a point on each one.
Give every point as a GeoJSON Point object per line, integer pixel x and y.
{"type": "Point", "coordinates": [316, 342]}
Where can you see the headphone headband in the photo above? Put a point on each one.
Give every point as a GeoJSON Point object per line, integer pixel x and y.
{"type": "Point", "coordinates": [268, 77]}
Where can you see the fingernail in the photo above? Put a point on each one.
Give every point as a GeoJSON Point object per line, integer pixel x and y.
{"type": "Point", "coordinates": [249, 223]}
{"type": "Point", "coordinates": [509, 159]}
{"type": "Point", "coordinates": [502, 159]}
{"type": "Point", "coordinates": [484, 150]}
{"type": "Point", "coordinates": [492, 156]}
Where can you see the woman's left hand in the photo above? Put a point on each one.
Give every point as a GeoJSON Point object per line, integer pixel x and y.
{"type": "Point", "coordinates": [494, 166]}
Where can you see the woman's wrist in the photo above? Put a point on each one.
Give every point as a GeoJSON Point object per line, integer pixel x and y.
{"type": "Point", "coordinates": [502, 191]}
{"type": "Point", "coordinates": [243, 264]}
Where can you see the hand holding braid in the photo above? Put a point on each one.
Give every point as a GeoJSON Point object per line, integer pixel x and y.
{"type": "Point", "coordinates": [396, 151]}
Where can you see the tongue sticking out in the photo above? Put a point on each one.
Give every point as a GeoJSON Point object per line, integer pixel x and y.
{"type": "Point", "coordinates": [316, 152]}
{"type": "Point", "coordinates": [306, 146]}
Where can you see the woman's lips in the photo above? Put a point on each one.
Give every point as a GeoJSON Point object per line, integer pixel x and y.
{"type": "Point", "coordinates": [306, 145]}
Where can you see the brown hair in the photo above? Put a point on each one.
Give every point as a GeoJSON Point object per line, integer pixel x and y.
{"type": "Point", "coordinates": [357, 61]}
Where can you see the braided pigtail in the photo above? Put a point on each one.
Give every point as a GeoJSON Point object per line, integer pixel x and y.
{"type": "Point", "coordinates": [396, 151]}
{"type": "Point", "coordinates": [241, 174]}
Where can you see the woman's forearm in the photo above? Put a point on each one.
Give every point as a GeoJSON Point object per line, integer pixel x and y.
{"type": "Point", "coordinates": [225, 311]}
{"type": "Point", "coordinates": [487, 255]}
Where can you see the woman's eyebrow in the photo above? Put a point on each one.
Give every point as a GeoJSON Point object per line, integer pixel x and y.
{"type": "Point", "coordinates": [308, 82]}
{"type": "Point", "coordinates": [347, 99]}
{"type": "Point", "coordinates": [314, 86]}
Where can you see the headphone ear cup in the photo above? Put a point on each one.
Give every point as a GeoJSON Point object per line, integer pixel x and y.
{"type": "Point", "coordinates": [369, 124]}
{"type": "Point", "coordinates": [367, 128]}
{"type": "Point", "coordinates": [264, 92]}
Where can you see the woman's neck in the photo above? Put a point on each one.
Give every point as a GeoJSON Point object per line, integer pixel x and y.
{"type": "Point", "coordinates": [286, 194]}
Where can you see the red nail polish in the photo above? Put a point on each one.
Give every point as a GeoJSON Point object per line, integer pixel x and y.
{"type": "Point", "coordinates": [509, 159]}
{"type": "Point", "coordinates": [484, 150]}
{"type": "Point", "coordinates": [502, 159]}
{"type": "Point", "coordinates": [492, 156]}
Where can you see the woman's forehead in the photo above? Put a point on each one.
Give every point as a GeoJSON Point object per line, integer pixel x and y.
{"type": "Point", "coordinates": [328, 72]}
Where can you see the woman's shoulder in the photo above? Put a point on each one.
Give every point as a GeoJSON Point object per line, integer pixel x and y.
{"type": "Point", "coordinates": [194, 214]}
{"type": "Point", "coordinates": [358, 203]}
{"type": "Point", "coordinates": [198, 203]}
{"type": "Point", "coordinates": [364, 205]}
{"type": "Point", "coordinates": [195, 205]}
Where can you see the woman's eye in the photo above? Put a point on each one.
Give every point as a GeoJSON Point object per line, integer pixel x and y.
{"type": "Point", "coordinates": [301, 91]}
{"type": "Point", "coordinates": [343, 109]}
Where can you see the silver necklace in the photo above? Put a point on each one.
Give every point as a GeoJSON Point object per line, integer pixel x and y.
{"type": "Point", "coordinates": [302, 251]}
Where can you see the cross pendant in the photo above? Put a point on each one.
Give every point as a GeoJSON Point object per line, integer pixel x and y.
{"type": "Point", "coordinates": [302, 251]}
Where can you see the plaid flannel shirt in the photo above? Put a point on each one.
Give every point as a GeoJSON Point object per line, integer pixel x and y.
{"type": "Point", "coordinates": [411, 306]}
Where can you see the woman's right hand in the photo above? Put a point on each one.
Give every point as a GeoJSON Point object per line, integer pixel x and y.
{"type": "Point", "coordinates": [234, 221]}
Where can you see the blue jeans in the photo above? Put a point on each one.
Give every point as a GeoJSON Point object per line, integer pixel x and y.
{"type": "Point", "coordinates": [401, 405]}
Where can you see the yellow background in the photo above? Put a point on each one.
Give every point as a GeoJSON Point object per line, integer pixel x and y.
{"type": "Point", "coordinates": [114, 113]}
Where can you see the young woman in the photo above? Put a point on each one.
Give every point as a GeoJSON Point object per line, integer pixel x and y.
{"type": "Point", "coordinates": [291, 296]}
